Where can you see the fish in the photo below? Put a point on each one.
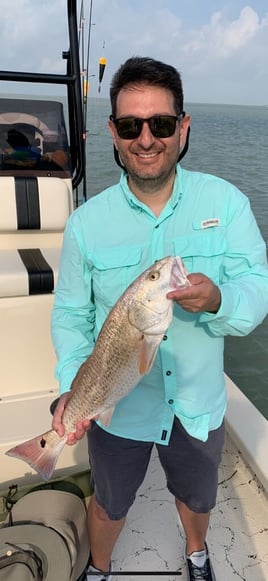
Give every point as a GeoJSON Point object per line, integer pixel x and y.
{"type": "Point", "coordinates": [124, 351]}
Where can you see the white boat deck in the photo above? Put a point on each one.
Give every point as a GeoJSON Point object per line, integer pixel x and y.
{"type": "Point", "coordinates": [153, 541]}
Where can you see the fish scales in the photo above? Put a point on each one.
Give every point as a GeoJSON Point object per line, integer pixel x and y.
{"type": "Point", "coordinates": [114, 352]}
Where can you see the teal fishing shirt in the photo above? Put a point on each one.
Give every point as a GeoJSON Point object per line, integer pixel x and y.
{"type": "Point", "coordinates": [109, 241]}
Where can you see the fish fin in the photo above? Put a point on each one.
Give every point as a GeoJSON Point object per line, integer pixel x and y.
{"type": "Point", "coordinates": [41, 453]}
{"type": "Point", "coordinates": [106, 416]}
{"type": "Point", "coordinates": [147, 354]}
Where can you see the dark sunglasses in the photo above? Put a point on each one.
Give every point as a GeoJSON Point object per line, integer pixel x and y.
{"type": "Point", "coordinates": [160, 125]}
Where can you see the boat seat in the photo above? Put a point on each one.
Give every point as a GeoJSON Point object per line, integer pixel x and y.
{"type": "Point", "coordinates": [28, 271]}
{"type": "Point", "coordinates": [33, 204]}
{"type": "Point", "coordinates": [31, 207]}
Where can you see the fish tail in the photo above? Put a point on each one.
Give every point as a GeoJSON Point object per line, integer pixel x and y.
{"type": "Point", "coordinates": [41, 453]}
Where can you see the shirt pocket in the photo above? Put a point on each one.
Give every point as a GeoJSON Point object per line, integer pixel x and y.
{"type": "Point", "coordinates": [203, 251]}
{"type": "Point", "coordinates": [113, 271]}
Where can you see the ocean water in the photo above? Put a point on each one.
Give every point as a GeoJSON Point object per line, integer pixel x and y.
{"type": "Point", "coordinates": [230, 141]}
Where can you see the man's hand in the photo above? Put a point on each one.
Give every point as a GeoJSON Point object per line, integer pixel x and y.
{"type": "Point", "coordinates": [81, 427]}
{"type": "Point", "coordinates": [202, 296]}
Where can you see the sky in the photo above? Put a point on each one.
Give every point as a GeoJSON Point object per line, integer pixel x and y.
{"type": "Point", "coordinates": [220, 47]}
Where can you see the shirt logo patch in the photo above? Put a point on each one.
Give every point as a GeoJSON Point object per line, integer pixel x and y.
{"type": "Point", "coordinates": [210, 222]}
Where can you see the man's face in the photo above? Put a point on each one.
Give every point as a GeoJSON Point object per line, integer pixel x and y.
{"type": "Point", "coordinates": [148, 159]}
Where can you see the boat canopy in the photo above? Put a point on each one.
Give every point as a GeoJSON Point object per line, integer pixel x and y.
{"type": "Point", "coordinates": [33, 138]}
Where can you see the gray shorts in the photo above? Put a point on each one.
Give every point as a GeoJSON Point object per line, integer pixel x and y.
{"type": "Point", "coordinates": [119, 466]}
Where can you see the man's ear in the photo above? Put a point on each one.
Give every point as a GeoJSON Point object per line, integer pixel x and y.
{"type": "Point", "coordinates": [184, 126]}
{"type": "Point", "coordinates": [113, 132]}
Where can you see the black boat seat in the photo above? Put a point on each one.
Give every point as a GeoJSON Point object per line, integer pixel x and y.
{"type": "Point", "coordinates": [33, 214]}
{"type": "Point", "coordinates": [28, 271]}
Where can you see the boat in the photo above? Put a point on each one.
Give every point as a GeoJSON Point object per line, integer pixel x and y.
{"type": "Point", "coordinates": [42, 165]}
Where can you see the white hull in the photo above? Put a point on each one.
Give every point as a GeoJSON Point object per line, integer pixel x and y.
{"type": "Point", "coordinates": [248, 429]}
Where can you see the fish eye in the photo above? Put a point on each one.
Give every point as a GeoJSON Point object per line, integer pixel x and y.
{"type": "Point", "coordinates": [154, 275]}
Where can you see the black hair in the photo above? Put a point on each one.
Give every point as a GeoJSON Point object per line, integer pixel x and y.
{"type": "Point", "coordinates": [144, 70]}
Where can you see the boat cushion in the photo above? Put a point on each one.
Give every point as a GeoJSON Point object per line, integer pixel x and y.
{"type": "Point", "coordinates": [28, 271]}
{"type": "Point", "coordinates": [33, 204]}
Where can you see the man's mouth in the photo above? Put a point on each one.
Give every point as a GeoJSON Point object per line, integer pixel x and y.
{"type": "Point", "coordinates": [147, 155]}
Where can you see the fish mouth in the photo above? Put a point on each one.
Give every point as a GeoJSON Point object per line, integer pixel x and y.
{"type": "Point", "coordinates": [178, 276]}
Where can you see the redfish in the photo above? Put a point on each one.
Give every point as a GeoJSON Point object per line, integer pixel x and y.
{"type": "Point", "coordinates": [124, 351]}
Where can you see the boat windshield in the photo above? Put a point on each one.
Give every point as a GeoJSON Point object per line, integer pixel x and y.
{"type": "Point", "coordinates": [33, 138]}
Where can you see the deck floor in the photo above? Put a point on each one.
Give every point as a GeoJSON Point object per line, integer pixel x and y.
{"type": "Point", "coordinates": [152, 540]}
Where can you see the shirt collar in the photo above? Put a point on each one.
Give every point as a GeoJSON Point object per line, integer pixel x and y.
{"type": "Point", "coordinates": [136, 203]}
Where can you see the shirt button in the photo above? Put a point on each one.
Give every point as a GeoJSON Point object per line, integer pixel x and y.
{"type": "Point", "coordinates": [165, 338]}
{"type": "Point", "coordinates": [171, 401]}
{"type": "Point", "coordinates": [157, 226]}
{"type": "Point", "coordinates": [168, 372]}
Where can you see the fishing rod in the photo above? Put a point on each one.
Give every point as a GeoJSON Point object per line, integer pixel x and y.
{"type": "Point", "coordinates": [85, 65]}
{"type": "Point", "coordinates": [84, 73]}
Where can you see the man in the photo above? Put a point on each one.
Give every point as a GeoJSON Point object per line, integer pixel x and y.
{"type": "Point", "coordinates": [158, 209]}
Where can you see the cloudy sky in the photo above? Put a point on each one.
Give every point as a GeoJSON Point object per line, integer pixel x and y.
{"type": "Point", "coordinates": [219, 46]}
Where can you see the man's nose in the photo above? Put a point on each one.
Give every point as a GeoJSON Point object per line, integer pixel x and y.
{"type": "Point", "coordinates": [146, 138]}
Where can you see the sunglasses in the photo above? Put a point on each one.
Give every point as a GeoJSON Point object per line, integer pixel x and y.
{"type": "Point", "coordinates": [160, 125]}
